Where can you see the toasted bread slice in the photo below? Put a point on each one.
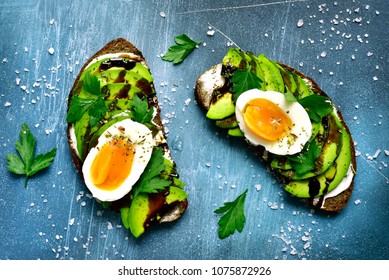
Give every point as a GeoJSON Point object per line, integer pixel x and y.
{"type": "Point", "coordinates": [212, 84]}
{"type": "Point", "coordinates": [122, 74]}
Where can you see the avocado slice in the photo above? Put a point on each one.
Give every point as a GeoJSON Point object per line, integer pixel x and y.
{"type": "Point", "coordinates": [330, 179]}
{"type": "Point", "coordinates": [227, 123]}
{"type": "Point", "coordinates": [272, 76]}
{"type": "Point", "coordinates": [145, 209]}
{"type": "Point", "coordinates": [329, 152]}
{"type": "Point", "coordinates": [289, 82]}
{"type": "Point", "coordinates": [221, 108]}
{"type": "Point", "coordinates": [236, 58]}
{"type": "Point", "coordinates": [302, 88]}
{"type": "Point", "coordinates": [236, 132]}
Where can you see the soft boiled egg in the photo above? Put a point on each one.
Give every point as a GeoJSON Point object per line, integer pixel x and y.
{"type": "Point", "coordinates": [115, 164]}
{"type": "Point", "coordinates": [268, 119]}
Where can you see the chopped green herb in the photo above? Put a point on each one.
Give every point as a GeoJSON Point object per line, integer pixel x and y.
{"type": "Point", "coordinates": [177, 53]}
{"type": "Point", "coordinates": [142, 113]}
{"type": "Point", "coordinates": [243, 80]}
{"type": "Point", "coordinates": [26, 163]}
{"type": "Point", "coordinates": [233, 218]}
{"type": "Point", "coordinates": [150, 181]}
{"type": "Point", "coordinates": [96, 107]}
{"type": "Point", "coordinates": [305, 161]}
{"type": "Point", "coordinates": [316, 106]}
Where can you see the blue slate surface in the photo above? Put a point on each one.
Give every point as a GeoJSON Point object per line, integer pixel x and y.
{"type": "Point", "coordinates": [342, 45]}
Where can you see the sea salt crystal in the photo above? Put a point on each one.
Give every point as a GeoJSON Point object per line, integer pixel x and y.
{"type": "Point", "coordinates": [7, 104]}
{"type": "Point", "coordinates": [162, 14]}
{"type": "Point", "coordinates": [51, 22]}
{"type": "Point", "coordinates": [386, 152]}
{"type": "Point", "coordinates": [358, 201]}
{"type": "Point", "coordinates": [51, 51]}
{"type": "Point", "coordinates": [210, 32]}
{"type": "Point", "coordinates": [300, 22]}
{"type": "Point", "coordinates": [323, 54]}
{"type": "Point", "coordinates": [377, 153]}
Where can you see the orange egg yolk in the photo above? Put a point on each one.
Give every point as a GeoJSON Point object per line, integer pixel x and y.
{"type": "Point", "coordinates": [112, 164]}
{"type": "Point", "coordinates": [266, 119]}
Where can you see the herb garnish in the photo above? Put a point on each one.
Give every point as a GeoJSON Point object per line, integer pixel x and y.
{"type": "Point", "coordinates": [95, 107]}
{"type": "Point", "coordinates": [305, 161]}
{"type": "Point", "coordinates": [142, 113]}
{"type": "Point", "coordinates": [26, 163]}
{"type": "Point", "coordinates": [233, 217]}
{"type": "Point", "coordinates": [177, 53]}
{"type": "Point", "coordinates": [317, 106]}
{"type": "Point", "coordinates": [150, 181]}
{"type": "Point", "coordinates": [243, 80]}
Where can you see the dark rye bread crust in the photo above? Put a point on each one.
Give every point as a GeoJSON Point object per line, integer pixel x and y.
{"type": "Point", "coordinates": [331, 204]}
{"type": "Point", "coordinates": [121, 45]}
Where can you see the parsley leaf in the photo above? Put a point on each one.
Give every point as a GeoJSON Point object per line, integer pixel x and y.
{"type": "Point", "coordinates": [95, 107]}
{"type": "Point", "coordinates": [305, 161]}
{"type": "Point", "coordinates": [177, 53]}
{"type": "Point", "coordinates": [150, 181]}
{"type": "Point", "coordinates": [142, 113]}
{"type": "Point", "coordinates": [91, 84]}
{"type": "Point", "coordinates": [243, 80]}
{"type": "Point", "coordinates": [26, 163]}
{"type": "Point", "coordinates": [317, 106]}
{"type": "Point", "coordinates": [233, 217]}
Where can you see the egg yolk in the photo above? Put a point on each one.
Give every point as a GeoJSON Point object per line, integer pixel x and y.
{"type": "Point", "coordinates": [112, 164]}
{"type": "Point", "coordinates": [266, 119]}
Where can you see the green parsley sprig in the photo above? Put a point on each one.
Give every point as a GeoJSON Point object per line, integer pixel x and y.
{"type": "Point", "coordinates": [184, 46]}
{"type": "Point", "coordinates": [233, 218]}
{"type": "Point", "coordinates": [243, 80]}
{"type": "Point", "coordinates": [142, 113]}
{"type": "Point", "coordinates": [150, 181]}
{"type": "Point", "coordinates": [95, 107]}
{"type": "Point", "coordinates": [317, 106]}
{"type": "Point", "coordinates": [305, 161]}
{"type": "Point", "coordinates": [26, 163]}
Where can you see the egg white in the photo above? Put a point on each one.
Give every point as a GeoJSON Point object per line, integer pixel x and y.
{"type": "Point", "coordinates": [142, 139]}
{"type": "Point", "coordinates": [299, 134]}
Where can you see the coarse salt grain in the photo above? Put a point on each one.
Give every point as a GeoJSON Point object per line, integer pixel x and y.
{"type": "Point", "coordinates": [210, 32]}
{"type": "Point", "coordinates": [51, 51]}
{"type": "Point", "coordinates": [300, 22]}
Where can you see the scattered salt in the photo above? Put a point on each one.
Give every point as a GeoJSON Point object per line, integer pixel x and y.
{"type": "Point", "coordinates": [300, 22]}
{"type": "Point", "coordinates": [210, 32]}
{"type": "Point", "coordinates": [51, 51]}
{"type": "Point", "coordinates": [377, 153]}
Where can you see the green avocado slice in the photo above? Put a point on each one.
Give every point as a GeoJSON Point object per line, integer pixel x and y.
{"type": "Point", "coordinates": [329, 152]}
{"type": "Point", "coordinates": [271, 74]}
{"type": "Point", "coordinates": [330, 179]}
{"type": "Point", "coordinates": [145, 209]}
{"type": "Point", "coordinates": [223, 107]}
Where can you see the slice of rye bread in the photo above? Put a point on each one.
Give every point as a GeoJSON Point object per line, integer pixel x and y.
{"type": "Point", "coordinates": [121, 45]}
{"type": "Point", "coordinates": [211, 80]}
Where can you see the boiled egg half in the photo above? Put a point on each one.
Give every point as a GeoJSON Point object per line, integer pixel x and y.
{"type": "Point", "coordinates": [268, 119]}
{"type": "Point", "coordinates": [115, 164]}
